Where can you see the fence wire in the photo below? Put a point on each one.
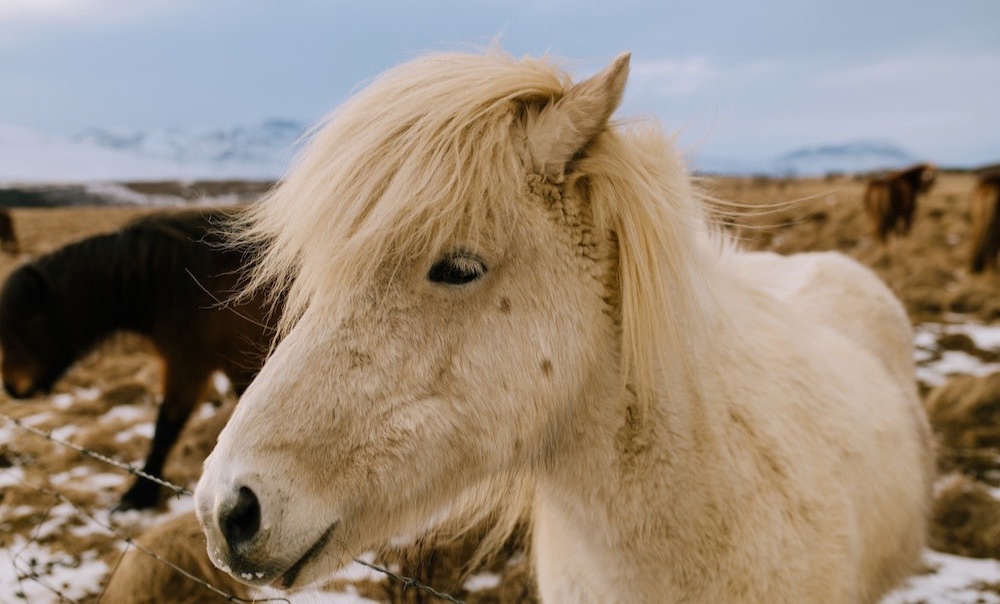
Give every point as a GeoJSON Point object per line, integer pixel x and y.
{"type": "Point", "coordinates": [26, 569]}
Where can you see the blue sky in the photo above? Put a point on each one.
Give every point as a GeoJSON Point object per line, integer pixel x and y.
{"type": "Point", "coordinates": [737, 78]}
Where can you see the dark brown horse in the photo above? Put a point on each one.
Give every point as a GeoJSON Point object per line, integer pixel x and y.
{"type": "Point", "coordinates": [891, 200]}
{"type": "Point", "coordinates": [162, 277]}
{"type": "Point", "coordinates": [8, 240]}
{"type": "Point", "coordinates": [986, 222]}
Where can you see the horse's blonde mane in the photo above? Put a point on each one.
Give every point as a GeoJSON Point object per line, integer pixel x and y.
{"type": "Point", "coordinates": [639, 190]}
{"type": "Point", "coordinates": [426, 153]}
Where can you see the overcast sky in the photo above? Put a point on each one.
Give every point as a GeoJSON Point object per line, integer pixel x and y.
{"type": "Point", "coordinates": [739, 78]}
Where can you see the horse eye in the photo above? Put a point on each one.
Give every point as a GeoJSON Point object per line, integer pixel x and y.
{"type": "Point", "coordinates": [457, 269]}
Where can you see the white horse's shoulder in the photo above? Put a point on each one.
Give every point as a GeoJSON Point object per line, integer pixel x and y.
{"type": "Point", "coordinates": [837, 291]}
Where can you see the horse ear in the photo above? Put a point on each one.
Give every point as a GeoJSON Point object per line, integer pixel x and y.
{"type": "Point", "coordinates": [561, 130]}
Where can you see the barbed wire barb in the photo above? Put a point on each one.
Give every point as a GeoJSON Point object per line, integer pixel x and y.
{"type": "Point", "coordinates": [410, 583]}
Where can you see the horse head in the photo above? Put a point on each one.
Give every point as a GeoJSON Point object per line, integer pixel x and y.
{"type": "Point", "coordinates": [453, 303]}
{"type": "Point", "coordinates": [34, 352]}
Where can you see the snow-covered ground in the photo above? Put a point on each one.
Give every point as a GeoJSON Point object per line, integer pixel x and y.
{"type": "Point", "coordinates": [935, 365]}
{"type": "Point", "coordinates": [947, 580]}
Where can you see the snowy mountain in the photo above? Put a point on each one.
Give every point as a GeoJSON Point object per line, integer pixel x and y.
{"type": "Point", "coordinates": [269, 143]}
{"type": "Point", "coordinates": [264, 151]}
{"type": "Point", "coordinates": [851, 157]}
{"type": "Point", "coordinates": [259, 152]}
{"type": "Point", "coordinates": [29, 156]}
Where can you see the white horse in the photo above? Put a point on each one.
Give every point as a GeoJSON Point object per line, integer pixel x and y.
{"type": "Point", "coordinates": [496, 295]}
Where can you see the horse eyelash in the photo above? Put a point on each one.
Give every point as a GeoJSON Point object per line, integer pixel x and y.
{"type": "Point", "coordinates": [458, 268]}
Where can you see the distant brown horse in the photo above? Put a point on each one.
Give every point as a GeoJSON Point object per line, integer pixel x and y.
{"type": "Point", "coordinates": [8, 240]}
{"type": "Point", "coordinates": [891, 200]}
{"type": "Point", "coordinates": [162, 277]}
{"type": "Point", "coordinates": [986, 223]}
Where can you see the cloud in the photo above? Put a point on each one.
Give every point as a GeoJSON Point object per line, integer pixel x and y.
{"type": "Point", "coordinates": [89, 11]}
{"type": "Point", "coordinates": [19, 9]}
{"type": "Point", "coordinates": [921, 74]}
{"type": "Point", "coordinates": [939, 105]}
{"type": "Point", "coordinates": [672, 77]}
{"type": "Point", "coordinates": [28, 23]}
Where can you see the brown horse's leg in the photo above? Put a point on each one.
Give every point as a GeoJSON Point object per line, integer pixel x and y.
{"type": "Point", "coordinates": [985, 237]}
{"type": "Point", "coordinates": [990, 252]}
{"type": "Point", "coordinates": [8, 241]}
{"type": "Point", "coordinates": [991, 243]}
{"type": "Point", "coordinates": [183, 384]}
{"type": "Point", "coordinates": [980, 223]}
{"type": "Point", "coordinates": [907, 204]}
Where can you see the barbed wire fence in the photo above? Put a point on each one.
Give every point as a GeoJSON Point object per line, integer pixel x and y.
{"type": "Point", "coordinates": [27, 570]}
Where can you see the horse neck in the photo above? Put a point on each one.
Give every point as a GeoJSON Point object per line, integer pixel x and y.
{"type": "Point", "coordinates": [618, 444]}
{"type": "Point", "coordinates": [636, 490]}
{"type": "Point", "coordinates": [102, 288]}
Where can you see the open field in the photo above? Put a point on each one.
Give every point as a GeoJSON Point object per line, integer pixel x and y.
{"type": "Point", "coordinates": [107, 404]}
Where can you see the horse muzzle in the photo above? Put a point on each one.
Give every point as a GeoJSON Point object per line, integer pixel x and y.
{"type": "Point", "coordinates": [242, 543]}
{"type": "Point", "coordinates": [232, 523]}
{"type": "Point", "coordinates": [20, 386]}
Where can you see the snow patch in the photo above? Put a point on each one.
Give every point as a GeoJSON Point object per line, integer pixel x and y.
{"type": "Point", "coordinates": [934, 365]}
{"type": "Point", "coordinates": [62, 401]}
{"type": "Point", "coordinates": [952, 580]}
{"type": "Point", "coordinates": [11, 476]}
{"type": "Point", "coordinates": [74, 577]}
{"type": "Point", "coordinates": [482, 582]}
{"type": "Point", "coordinates": [141, 430]}
{"type": "Point", "coordinates": [126, 413]}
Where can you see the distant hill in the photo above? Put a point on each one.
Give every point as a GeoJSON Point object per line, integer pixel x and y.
{"type": "Point", "coordinates": [850, 157]}
{"type": "Point", "coordinates": [266, 145]}
{"type": "Point", "coordinates": [259, 152]}
{"type": "Point", "coordinates": [264, 151]}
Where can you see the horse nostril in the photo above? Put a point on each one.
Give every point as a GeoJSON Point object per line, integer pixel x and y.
{"type": "Point", "coordinates": [240, 522]}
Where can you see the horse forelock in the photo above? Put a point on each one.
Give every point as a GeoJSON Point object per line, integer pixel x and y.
{"type": "Point", "coordinates": [421, 156]}
{"type": "Point", "coordinates": [429, 154]}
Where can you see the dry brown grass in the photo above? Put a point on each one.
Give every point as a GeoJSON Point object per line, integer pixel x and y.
{"type": "Point", "coordinates": [928, 271]}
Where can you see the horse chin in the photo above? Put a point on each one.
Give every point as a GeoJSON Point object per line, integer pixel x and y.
{"type": "Point", "coordinates": [295, 574]}
{"type": "Point", "coordinates": [287, 572]}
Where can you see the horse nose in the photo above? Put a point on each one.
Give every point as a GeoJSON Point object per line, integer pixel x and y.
{"type": "Point", "coordinates": [18, 388]}
{"type": "Point", "coordinates": [240, 519]}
